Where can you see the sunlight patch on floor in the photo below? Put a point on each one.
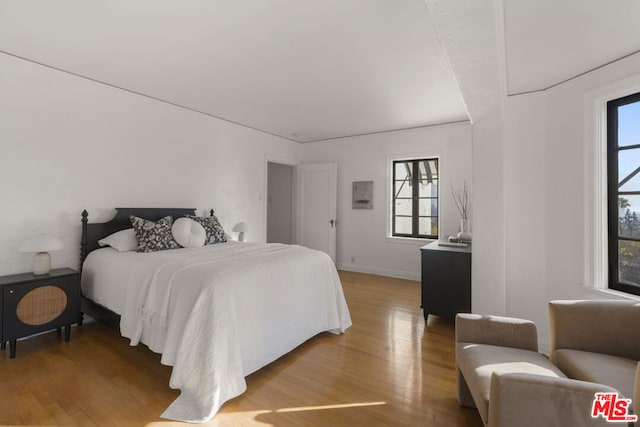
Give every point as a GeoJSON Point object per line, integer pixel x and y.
{"type": "Point", "coordinates": [239, 418]}
{"type": "Point", "coordinates": [342, 406]}
{"type": "Point", "coordinates": [242, 417]}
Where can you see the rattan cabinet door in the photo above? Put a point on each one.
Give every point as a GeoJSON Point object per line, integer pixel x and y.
{"type": "Point", "coordinates": [39, 305]}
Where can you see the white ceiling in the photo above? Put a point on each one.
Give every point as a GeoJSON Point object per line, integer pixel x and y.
{"type": "Point", "coordinates": [308, 70]}
{"type": "Point", "coordinates": [304, 70]}
{"type": "Point", "coordinates": [550, 41]}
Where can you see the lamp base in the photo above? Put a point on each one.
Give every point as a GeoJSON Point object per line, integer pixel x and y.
{"type": "Point", "coordinates": [41, 263]}
{"type": "Point", "coordinates": [241, 237]}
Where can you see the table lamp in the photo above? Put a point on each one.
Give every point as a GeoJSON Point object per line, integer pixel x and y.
{"type": "Point", "coordinates": [241, 228]}
{"type": "Point", "coordinates": [41, 245]}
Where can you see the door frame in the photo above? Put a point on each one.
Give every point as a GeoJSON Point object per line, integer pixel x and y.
{"type": "Point", "coordinates": [265, 199]}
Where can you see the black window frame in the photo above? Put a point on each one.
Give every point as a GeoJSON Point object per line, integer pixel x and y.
{"type": "Point", "coordinates": [415, 215]}
{"type": "Point", "coordinates": [613, 193]}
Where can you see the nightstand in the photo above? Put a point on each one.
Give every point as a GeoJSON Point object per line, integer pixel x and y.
{"type": "Point", "coordinates": [32, 304]}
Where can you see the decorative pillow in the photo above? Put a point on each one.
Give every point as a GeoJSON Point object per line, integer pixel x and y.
{"type": "Point", "coordinates": [215, 232]}
{"type": "Point", "coordinates": [122, 241]}
{"type": "Point", "coordinates": [188, 233]}
{"type": "Point", "coordinates": [153, 236]}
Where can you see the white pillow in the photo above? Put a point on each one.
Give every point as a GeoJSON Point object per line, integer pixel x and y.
{"type": "Point", "coordinates": [123, 240]}
{"type": "Point", "coordinates": [188, 233]}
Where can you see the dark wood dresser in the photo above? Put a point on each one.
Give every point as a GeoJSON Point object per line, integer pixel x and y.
{"type": "Point", "coordinates": [446, 280]}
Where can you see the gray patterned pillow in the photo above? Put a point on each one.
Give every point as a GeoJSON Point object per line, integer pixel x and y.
{"type": "Point", "coordinates": [215, 232]}
{"type": "Point", "coordinates": [153, 236]}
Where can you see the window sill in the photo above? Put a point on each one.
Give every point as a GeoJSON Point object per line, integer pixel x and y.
{"type": "Point", "coordinates": [409, 240]}
{"type": "Point", "coordinates": [610, 293]}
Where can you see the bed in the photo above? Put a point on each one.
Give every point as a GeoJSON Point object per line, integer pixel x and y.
{"type": "Point", "coordinates": [215, 313]}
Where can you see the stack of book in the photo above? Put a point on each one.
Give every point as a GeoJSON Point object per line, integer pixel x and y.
{"type": "Point", "coordinates": [454, 241]}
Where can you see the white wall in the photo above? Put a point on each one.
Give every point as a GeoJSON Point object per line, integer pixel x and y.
{"type": "Point", "coordinates": [361, 233]}
{"type": "Point", "coordinates": [525, 185]}
{"type": "Point", "coordinates": [469, 33]}
{"type": "Point", "coordinates": [67, 144]}
{"type": "Point", "coordinates": [549, 196]}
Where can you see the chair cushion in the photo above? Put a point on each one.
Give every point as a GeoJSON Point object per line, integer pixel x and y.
{"type": "Point", "coordinates": [478, 362]}
{"type": "Point", "coordinates": [613, 371]}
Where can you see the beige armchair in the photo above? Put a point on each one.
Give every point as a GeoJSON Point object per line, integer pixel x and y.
{"type": "Point", "coordinates": [500, 372]}
{"type": "Point", "coordinates": [598, 341]}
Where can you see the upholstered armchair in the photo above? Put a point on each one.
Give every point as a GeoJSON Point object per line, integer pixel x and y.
{"type": "Point", "coordinates": [501, 373]}
{"type": "Point", "coordinates": [598, 341]}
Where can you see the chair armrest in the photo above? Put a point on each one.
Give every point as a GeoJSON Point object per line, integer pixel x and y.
{"type": "Point", "coordinates": [535, 400]}
{"type": "Point", "coordinates": [496, 330]}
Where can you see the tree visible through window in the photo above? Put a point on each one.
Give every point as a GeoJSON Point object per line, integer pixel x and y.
{"type": "Point", "coordinates": [623, 171]}
{"type": "Point", "coordinates": [415, 198]}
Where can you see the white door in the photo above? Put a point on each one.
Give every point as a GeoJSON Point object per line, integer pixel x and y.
{"type": "Point", "coordinates": [317, 186]}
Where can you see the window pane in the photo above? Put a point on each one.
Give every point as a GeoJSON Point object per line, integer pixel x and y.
{"type": "Point", "coordinates": [404, 207]}
{"type": "Point", "coordinates": [423, 169]}
{"type": "Point", "coordinates": [629, 124]}
{"type": "Point", "coordinates": [428, 207]}
{"type": "Point", "coordinates": [428, 189]}
{"type": "Point", "coordinates": [428, 169]}
{"type": "Point", "coordinates": [428, 226]}
{"type": "Point", "coordinates": [415, 181]}
{"type": "Point", "coordinates": [403, 171]}
{"type": "Point", "coordinates": [624, 207]}
{"type": "Point", "coordinates": [403, 225]}
{"type": "Point", "coordinates": [628, 162]}
{"type": "Point", "coordinates": [629, 262]}
{"type": "Point", "coordinates": [633, 184]}
{"type": "Point", "coordinates": [629, 216]}
{"type": "Point", "coordinates": [403, 189]}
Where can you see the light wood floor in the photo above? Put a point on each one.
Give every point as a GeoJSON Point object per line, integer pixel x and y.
{"type": "Point", "coordinates": [389, 369]}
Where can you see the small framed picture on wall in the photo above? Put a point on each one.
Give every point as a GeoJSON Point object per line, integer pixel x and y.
{"type": "Point", "coordinates": [362, 195]}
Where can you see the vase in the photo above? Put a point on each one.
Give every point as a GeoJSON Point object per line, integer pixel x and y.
{"type": "Point", "coordinates": [465, 230]}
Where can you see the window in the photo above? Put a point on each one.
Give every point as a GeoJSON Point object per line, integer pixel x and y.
{"type": "Point", "coordinates": [623, 185]}
{"type": "Point", "coordinates": [415, 198]}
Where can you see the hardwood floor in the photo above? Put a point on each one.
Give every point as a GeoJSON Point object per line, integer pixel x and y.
{"type": "Point", "coordinates": [389, 369]}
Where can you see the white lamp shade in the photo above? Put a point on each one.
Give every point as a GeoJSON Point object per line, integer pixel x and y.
{"type": "Point", "coordinates": [241, 227]}
{"type": "Point", "coordinates": [41, 243]}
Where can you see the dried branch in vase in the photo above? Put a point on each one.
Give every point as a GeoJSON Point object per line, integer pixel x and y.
{"type": "Point", "coordinates": [462, 198]}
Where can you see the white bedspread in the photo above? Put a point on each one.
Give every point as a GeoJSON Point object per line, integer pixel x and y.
{"type": "Point", "coordinates": [219, 313]}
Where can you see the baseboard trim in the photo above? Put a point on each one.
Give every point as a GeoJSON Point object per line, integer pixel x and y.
{"type": "Point", "coordinates": [398, 274]}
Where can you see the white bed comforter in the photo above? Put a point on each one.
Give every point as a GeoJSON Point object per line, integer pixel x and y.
{"type": "Point", "coordinates": [221, 312]}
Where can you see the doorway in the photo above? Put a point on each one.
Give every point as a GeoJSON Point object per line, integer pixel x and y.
{"type": "Point", "coordinates": [280, 203]}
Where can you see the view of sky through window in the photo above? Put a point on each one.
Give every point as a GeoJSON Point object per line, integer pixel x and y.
{"type": "Point", "coordinates": [629, 183]}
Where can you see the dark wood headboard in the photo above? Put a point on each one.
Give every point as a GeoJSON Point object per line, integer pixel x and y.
{"type": "Point", "coordinates": [91, 233]}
